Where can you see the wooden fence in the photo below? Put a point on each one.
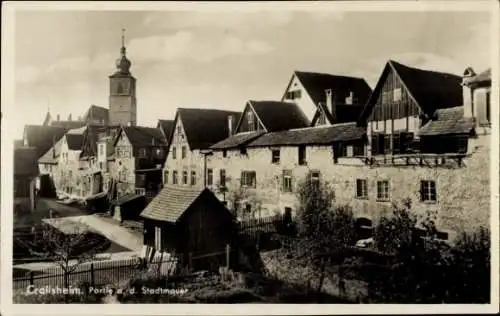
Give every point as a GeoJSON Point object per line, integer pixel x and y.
{"type": "Point", "coordinates": [101, 273]}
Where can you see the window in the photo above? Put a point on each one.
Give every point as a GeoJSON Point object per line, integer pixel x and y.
{"type": "Point", "coordinates": [397, 94]}
{"type": "Point", "coordinates": [210, 176]}
{"type": "Point", "coordinates": [224, 153]}
{"type": "Point", "coordinates": [193, 177]}
{"type": "Point", "coordinates": [292, 95]}
{"type": "Point", "coordinates": [165, 177]}
{"type": "Point", "coordinates": [321, 118]}
{"type": "Point", "coordinates": [174, 153]}
{"type": "Point", "coordinates": [222, 177]}
{"type": "Point", "coordinates": [184, 177]}
{"type": "Point", "coordinates": [251, 122]}
{"type": "Point", "coordinates": [101, 150]}
{"type": "Point", "coordinates": [275, 156]}
{"type": "Point", "coordinates": [159, 152]}
{"type": "Point", "coordinates": [385, 97]}
{"type": "Point", "coordinates": [243, 150]}
{"type": "Point", "coordinates": [183, 152]}
{"type": "Point", "coordinates": [158, 243]}
{"type": "Point", "coordinates": [101, 166]}
{"type": "Point", "coordinates": [428, 191]}
{"type": "Point", "coordinates": [248, 179]}
{"type": "Point", "coordinates": [314, 177]}
{"type": "Point", "coordinates": [142, 153]}
{"type": "Point", "coordinates": [174, 177]}
{"type": "Point", "coordinates": [361, 189]}
{"type": "Point", "coordinates": [287, 181]}
{"type": "Point", "coordinates": [358, 149]}
{"type": "Point", "coordinates": [383, 190]}
{"type": "Point", "coordinates": [302, 155]}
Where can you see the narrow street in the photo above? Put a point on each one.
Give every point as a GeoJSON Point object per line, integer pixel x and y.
{"type": "Point", "coordinates": [115, 233]}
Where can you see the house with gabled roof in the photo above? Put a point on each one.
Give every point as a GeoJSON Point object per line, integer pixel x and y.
{"type": "Point", "coordinates": [195, 130]}
{"type": "Point", "coordinates": [139, 154]}
{"type": "Point", "coordinates": [327, 99]}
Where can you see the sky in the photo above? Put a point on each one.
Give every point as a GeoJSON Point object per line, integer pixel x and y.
{"type": "Point", "coordinates": [222, 59]}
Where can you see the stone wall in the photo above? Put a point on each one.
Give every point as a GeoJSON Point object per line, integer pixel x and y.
{"type": "Point", "coordinates": [463, 193]}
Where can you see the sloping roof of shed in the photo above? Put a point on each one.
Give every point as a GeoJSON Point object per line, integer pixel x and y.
{"type": "Point", "coordinates": [448, 121]}
{"type": "Point", "coordinates": [279, 116]}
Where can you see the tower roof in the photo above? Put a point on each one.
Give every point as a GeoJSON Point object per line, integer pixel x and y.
{"type": "Point", "coordinates": [123, 63]}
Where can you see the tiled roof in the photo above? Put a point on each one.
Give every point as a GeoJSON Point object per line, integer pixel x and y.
{"type": "Point", "coordinates": [316, 84]}
{"type": "Point", "coordinates": [485, 76]}
{"type": "Point", "coordinates": [96, 113]}
{"type": "Point", "coordinates": [279, 116]}
{"type": "Point", "coordinates": [171, 203]}
{"type": "Point", "coordinates": [43, 137]}
{"type": "Point", "coordinates": [311, 136]}
{"type": "Point", "coordinates": [432, 90]}
{"type": "Point", "coordinates": [91, 136]}
{"type": "Point", "coordinates": [75, 141]}
{"type": "Point", "coordinates": [237, 140]}
{"type": "Point", "coordinates": [205, 127]}
{"type": "Point", "coordinates": [25, 163]}
{"type": "Point", "coordinates": [144, 136]}
{"type": "Point", "coordinates": [448, 121]}
{"type": "Point", "coordinates": [52, 154]}
{"type": "Point", "coordinates": [167, 126]}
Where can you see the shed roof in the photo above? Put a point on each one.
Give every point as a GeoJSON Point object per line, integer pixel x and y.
{"type": "Point", "coordinates": [448, 121]}
{"type": "Point", "coordinates": [172, 202]}
{"type": "Point", "coordinates": [322, 135]}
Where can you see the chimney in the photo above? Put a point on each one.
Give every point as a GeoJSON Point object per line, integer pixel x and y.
{"type": "Point", "coordinates": [330, 104]}
{"type": "Point", "coordinates": [467, 93]}
{"type": "Point", "coordinates": [349, 100]}
{"type": "Point", "coordinates": [230, 124]}
{"type": "Point", "coordinates": [69, 117]}
{"type": "Point", "coordinates": [58, 117]}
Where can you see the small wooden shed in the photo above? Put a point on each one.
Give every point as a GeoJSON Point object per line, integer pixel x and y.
{"type": "Point", "coordinates": [187, 220]}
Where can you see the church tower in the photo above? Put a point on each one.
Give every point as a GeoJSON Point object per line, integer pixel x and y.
{"type": "Point", "coordinates": [122, 100]}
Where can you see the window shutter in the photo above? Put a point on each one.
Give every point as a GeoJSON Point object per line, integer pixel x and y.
{"type": "Point", "coordinates": [374, 144]}
{"type": "Point", "coordinates": [396, 143]}
{"type": "Point", "coordinates": [422, 190]}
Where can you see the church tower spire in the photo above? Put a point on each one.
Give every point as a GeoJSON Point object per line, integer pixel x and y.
{"type": "Point", "coordinates": [122, 100]}
{"type": "Point", "coordinates": [122, 63]}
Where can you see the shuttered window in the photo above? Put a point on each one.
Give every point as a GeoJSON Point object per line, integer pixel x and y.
{"type": "Point", "coordinates": [248, 179]}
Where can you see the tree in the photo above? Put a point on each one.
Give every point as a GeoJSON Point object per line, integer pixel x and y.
{"type": "Point", "coordinates": [394, 233]}
{"type": "Point", "coordinates": [424, 269]}
{"type": "Point", "coordinates": [324, 229]}
{"type": "Point", "coordinates": [67, 247]}
{"type": "Point", "coordinates": [237, 196]}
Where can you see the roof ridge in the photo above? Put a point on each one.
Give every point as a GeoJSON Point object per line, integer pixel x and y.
{"type": "Point", "coordinates": [391, 61]}
{"type": "Point", "coordinates": [329, 74]}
